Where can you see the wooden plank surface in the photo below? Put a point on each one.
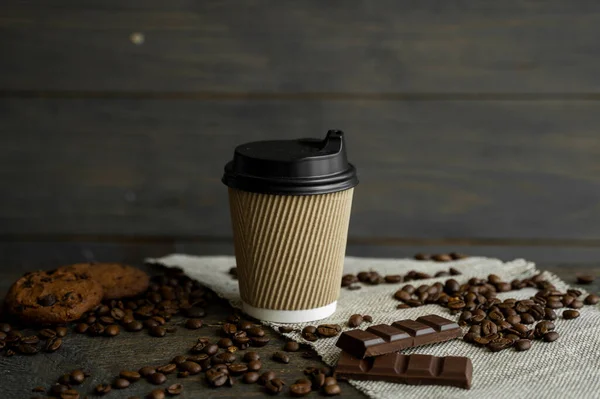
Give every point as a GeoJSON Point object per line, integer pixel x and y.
{"type": "Point", "coordinates": [104, 357]}
{"type": "Point", "coordinates": [355, 46]}
{"type": "Point", "coordinates": [434, 169]}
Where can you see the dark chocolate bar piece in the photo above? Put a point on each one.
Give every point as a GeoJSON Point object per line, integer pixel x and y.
{"type": "Point", "coordinates": [408, 369]}
{"type": "Point", "coordinates": [382, 338]}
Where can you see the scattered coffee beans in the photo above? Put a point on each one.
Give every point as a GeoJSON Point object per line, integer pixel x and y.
{"type": "Point", "coordinates": [291, 346]}
{"type": "Point", "coordinates": [121, 383]}
{"type": "Point", "coordinates": [156, 394]}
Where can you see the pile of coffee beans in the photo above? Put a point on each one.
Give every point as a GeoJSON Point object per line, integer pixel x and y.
{"type": "Point", "coordinates": [497, 324]}
{"type": "Point", "coordinates": [64, 387]}
{"type": "Point", "coordinates": [14, 341]}
{"type": "Point", "coordinates": [168, 295]}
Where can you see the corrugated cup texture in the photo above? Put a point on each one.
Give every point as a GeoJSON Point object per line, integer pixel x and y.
{"type": "Point", "coordinates": [290, 249]}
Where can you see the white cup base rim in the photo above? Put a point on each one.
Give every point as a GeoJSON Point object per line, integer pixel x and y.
{"type": "Point", "coordinates": [290, 316]}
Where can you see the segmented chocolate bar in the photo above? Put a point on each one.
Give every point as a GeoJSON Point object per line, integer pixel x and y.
{"type": "Point", "coordinates": [382, 338]}
{"type": "Point", "coordinates": [408, 369]}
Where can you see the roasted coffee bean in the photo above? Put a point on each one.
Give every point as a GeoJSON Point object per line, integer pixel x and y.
{"type": "Point", "coordinates": [402, 295]}
{"type": "Point", "coordinates": [274, 386]}
{"type": "Point", "coordinates": [47, 300]}
{"type": "Point", "coordinates": [298, 390]}
{"type": "Point", "coordinates": [249, 356]}
{"type": "Point", "coordinates": [499, 344]}
{"type": "Point", "coordinates": [53, 344]}
{"type": "Point", "coordinates": [193, 324]}
{"type": "Point", "coordinates": [229, 329]}
{"type": "Point", "coordinates": [330, 381]}
{"type": "Point", "coordinates": [46, 333]}
{"type": "Point", "coordinates": [488, 328]}
{"type": "Point", "coordinates": [266, 376]}
{"type": "Point", "coordinates": [421, 256]}
{"type": "Point", "coordinates": [441, 257]}
{"type": "Point", "coordinates": [592, 299]}
{"type": "Point", "coordinates": [183, 374]}
{"type": "Point", "coordinates": [244, 342]}
{"type": "Point", "coordinates": [523, 345]}
{"type": "Point", "coordinates": [112, 330]}
{"type": "Point", "coordinates": [157, 378]}
{"type": "Point", "coordinates": [216, 378]}
{"type": "Point", "coordinates": [577, 304]}
{"type": "Point", "coordinates": [332, 390]}
{"type": "Point", "coordinates": [281, 357]}
{"type": "Point", "coordinates": [158, 331]}
{"type": "Point", "coordinates": [549, 314]}
{"type": "Point", "coordinates": [150, 323]}
{"type": "Point", "coordinates": [121, 383]}
{"type": "Point", "coordinates": [76, 377]}
{"type": "Point", "coordinates": [393, 278]}
{"type": "Point", "coordinates": [570, 314]}
{"type": "Point", "coordinates": [106, 320]}
{"type": "Point", "coordinates": [195, 312]}
{"type": "Point", "coordinates": [550, 336]}
{"type": "Point", "coordinates": [254, 365]}
{"type": "Point", "coordinates": [244, 325]}
{"type": "Point", "coordinates": [167, 369]}
{"type": "Point", "coordinates": [199, 347]}
{"type": "Point", "coordinates": [146, 371]}
{"type": "Point", "coordinates": [134, 326]}
{"type": "Point", "coordinates": [355, 320]}
{"type": "Point", "coordinates": [237, 368]}
{"type": "Point", "coordinates": [232, 349]}
{"type": "Point", "coordinates": [526, 318]}
{"type": "Point", "coordinates": [131, 376]}
{"type": "Point", "coordinates": [291, 346]}
{"type": "Point", "coordinates": [102, 389]}
{"type": "Point", "coordinates": [57, 389]}
{"type": "Point", "coordinates": [456, 304]}
{"type": "Point", "coordinates": [223, 358]}
{"type": "Point", "coordinates": [156, 394]}
{"type": "Point", "coordinates": [255, 332]}
{"type": "Point", "coordinates": [179, 359]}
{"type": "Point", "coordinates": [329, 330]}
{"type": "Point", "coordinates": [585, 279]}
{"type": "Point", "coordinates": [192, 368]}
{"type": "Point", "coordinates": [69, 394]}
{"type": "Point", "coordinates": [309, 333]}
{"type": "Point", "coordinates": [285, 329]}
{"type": "Point", "coordinates": [175, 389]}
{"type": "Point", "coordinates": [224, 343]}
{"type": "Point", "coordinates": [250, 377]}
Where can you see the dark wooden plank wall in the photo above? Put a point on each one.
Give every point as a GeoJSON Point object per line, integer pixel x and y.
{"type": "Point", "coordinates": [472, 123]}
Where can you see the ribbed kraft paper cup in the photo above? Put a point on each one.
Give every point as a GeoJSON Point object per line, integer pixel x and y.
{"type": "Point", "coordinates": [290, 252]}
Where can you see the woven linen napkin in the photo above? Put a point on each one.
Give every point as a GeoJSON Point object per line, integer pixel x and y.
{"type": "Point", "coordinates": [566, 368]}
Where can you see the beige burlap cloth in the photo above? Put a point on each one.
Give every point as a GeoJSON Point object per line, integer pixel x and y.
{"type": "Point", "coordinates": [566, 368]}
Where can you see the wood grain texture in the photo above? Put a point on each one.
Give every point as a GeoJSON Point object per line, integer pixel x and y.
{"type": "Point", "coordinates": [494, 169]}
{"type": "Point", "coordinates": [355, 46]}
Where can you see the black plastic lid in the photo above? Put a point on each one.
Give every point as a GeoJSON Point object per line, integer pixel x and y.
{"type": "Point", "coordinates": [292, 167]}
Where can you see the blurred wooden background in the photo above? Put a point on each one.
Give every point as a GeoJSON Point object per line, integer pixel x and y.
{"type": "Point", "coordinates": [474, 125]}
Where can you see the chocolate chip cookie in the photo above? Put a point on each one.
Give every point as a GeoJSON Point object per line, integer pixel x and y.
{"type": "Point", "coordinates": [118, 280]}
{"type": "Point", "coordinates": [55, 296]}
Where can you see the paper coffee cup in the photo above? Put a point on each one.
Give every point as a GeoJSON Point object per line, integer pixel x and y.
{"type": "Point", "coordinates": [290, 205]}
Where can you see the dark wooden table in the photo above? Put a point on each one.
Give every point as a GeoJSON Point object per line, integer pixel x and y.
{"type": "Point", "coordinates": [105, 357]}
